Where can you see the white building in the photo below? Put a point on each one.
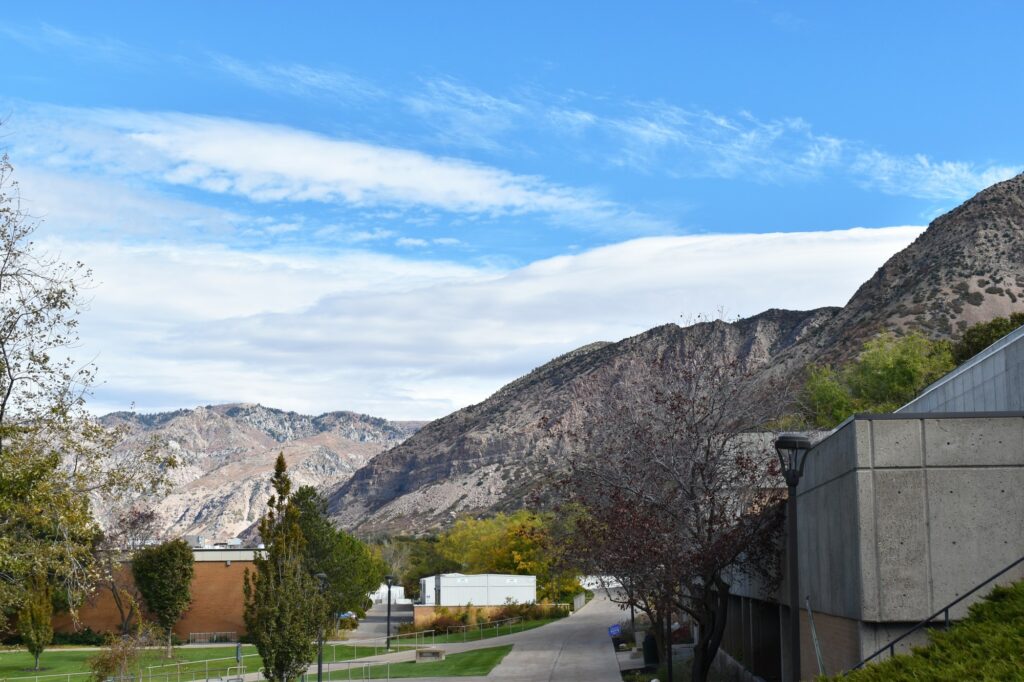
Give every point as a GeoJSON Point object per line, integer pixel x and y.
{"type": "Point", "coordinates": [397, 595]}
{"type": "Point", "coordinates": [489, 589]}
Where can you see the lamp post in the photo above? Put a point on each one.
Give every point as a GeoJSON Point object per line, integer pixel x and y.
{"type": "Point", "coordinates": [322, 579]}
{"type": "Point", "coordinates": [792, 449]}
{"type": "Point", "coordinates": [389, 579]}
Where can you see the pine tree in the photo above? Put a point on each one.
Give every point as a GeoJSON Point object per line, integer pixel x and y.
{"type": "Point", "coordinates": [283, 605]}
{"type": "Point", "coordinates": [35, 617]}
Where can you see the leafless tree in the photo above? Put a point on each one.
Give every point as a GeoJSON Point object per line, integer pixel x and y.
{"type": "Point", "coordinates": [672, 488]}
{"type": "Point", "coordinates": [131, 529]}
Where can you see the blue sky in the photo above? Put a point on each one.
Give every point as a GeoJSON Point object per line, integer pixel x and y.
{"type": "Point", "coordinates": [397, 207]}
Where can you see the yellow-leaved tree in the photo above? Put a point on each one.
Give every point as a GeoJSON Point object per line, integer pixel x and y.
{"type": "Point", "coordinates": [519, 544]}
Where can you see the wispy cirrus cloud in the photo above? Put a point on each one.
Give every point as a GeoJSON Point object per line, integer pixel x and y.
{"type": "Point", "coordinates": [43, 37]}
{"type": "Point", "coordinates": [920, 177]}
{"type": "Point", "coordinates": [465, 116]}
{"type": "Point", "coordinates": [298, 79]}
{"type": "Point", "coordinates": [662, 137]}
{"type": "Point", "coordinates": [272, 163]}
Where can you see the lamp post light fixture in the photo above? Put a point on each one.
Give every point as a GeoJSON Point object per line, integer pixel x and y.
{"type": "Point", "coordinates": [389, 579]}
{"type": "Point", "coordinates": [792, 449]}
{"type": "Point", "coordinates": [322, 579]}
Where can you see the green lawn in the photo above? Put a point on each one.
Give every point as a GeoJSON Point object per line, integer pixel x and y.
{"type": "Point", "coordinates": [348, 652]}
{"type": "Point", "coordinates": [188, 664]}
{"type": "Point", "coordinates": [61, 662]}
{"type": "Point", "coordinates": [467, 664]}
{"type": "Point", "coordinates": [489, 632]}
{"type": "Point", "coordinates": [197, 663]}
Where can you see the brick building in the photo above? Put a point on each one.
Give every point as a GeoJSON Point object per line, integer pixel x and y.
{"type": "Point", "coordinates": [217, 598]}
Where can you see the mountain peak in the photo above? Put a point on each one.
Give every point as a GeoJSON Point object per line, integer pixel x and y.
{"type": "Point", "coordinates": [966, 267]}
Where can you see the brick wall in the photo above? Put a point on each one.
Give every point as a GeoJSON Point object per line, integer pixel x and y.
{"type": "Point", "coordinates": [217, 603]}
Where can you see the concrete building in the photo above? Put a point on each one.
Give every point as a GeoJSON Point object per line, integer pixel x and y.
{"type": "Point", "coordinates": [900, 514]}
{"type": "Point", "coordinates": [991, 381]}
{"type": "Point", "coordinates": [489, 589]}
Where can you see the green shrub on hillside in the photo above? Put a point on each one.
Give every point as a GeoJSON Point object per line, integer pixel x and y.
{"type": "Point", "coordinates": [987, 645]}
{"type": "Point", "coordinates": [982, 335]}
{"type": "Point", "coordinates": [889, 372]}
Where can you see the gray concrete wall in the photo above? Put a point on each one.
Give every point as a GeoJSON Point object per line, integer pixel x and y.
{"type": "Point", "coordinates": [991, 381]}
{"type": "Point", "coordinates": [899, 516]}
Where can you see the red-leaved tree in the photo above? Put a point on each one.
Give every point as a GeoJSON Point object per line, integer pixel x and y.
{"type": "Point", "coordinates": [673, 489]}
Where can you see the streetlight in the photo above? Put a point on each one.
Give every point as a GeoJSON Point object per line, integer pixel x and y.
{"type": "Point", "coordinates": [389, 579]}
{"type": "Point", "coordinates": [322, 579]}
{"type": "Point", "coordinates": [792, 449]}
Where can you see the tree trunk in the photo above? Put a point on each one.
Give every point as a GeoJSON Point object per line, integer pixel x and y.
{"type": "Point", "coordinates": [37, 662]}
{"type": "Point", "coordinates": [712, 629]}
{"type": "Point", "coordinates": [119, 602]}
{"type": "Point", "coordinates": [170, 647]}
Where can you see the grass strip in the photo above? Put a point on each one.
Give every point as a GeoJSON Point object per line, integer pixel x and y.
{"type": "Point", "coordinates": [467, 664]}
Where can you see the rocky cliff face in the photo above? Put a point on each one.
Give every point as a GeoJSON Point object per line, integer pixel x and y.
{"type": "Point", "coordinates": [227, 454]}
{"type": "Point", "coordinates": [494, 455]}
{"type": "Point", "coordinates": [967, 267]}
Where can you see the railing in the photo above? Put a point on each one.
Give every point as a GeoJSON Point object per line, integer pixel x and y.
{"type": "Point", "coordinates": [188, 671]}
{"type": "Point", "coordinates": [211, 637]}
{"type": "Point", "coordinates": [380, 644]}
{"type": "Point", "coordinates": [496, 624]}
{"type": "Point", "coordinates": [229, 668]}
{"type": "Point", "coordinates": [944, 612]}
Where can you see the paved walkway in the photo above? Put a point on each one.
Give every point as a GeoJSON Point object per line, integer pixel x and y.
{"type": "Point", "coordinates": [374, 625]}
{"type": "Point", "coordinates": [574, 649]}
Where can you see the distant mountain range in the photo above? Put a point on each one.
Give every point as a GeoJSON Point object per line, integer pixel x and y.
{"type": "Point", "coordinates": [968, 266]}
{"type": "Point", "coordinates": [227, 454]}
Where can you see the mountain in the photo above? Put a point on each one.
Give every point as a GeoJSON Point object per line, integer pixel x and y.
{"type": "Point", "coordinates": [227, 453]}
{"type": "Point", "coordinates": [968, 266]}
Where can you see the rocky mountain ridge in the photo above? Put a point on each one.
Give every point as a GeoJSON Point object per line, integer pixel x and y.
{"type": "Point", "coordinates": [968, 266]}
{"type": "Point", "coordinates": [226, 454]}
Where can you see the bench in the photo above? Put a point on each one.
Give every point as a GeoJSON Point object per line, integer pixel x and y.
{"type": "Point", "coordinates": [427, 655]}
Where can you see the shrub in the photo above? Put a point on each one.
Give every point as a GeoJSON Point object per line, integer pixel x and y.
{"type": "Point", "coordinates": [84, 637]}
{"type": "Point", "coordinates": [987, 645]}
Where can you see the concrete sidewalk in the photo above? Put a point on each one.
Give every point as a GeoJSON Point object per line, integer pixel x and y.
{"type": "Point", "coordinates": [574, 649]}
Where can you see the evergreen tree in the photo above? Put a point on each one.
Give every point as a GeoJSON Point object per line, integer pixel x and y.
{"type": "Point", "coordinates": [163, 575]}
{"type": "Point", "coordinates": [352, 571]}
{"type": "Point", "coordinates": [35, 619]}
{"type": "Point", "coordinates": [284, 609]}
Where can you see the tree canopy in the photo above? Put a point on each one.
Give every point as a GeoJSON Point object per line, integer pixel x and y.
{"type": "Point", "coordinates": [53, 454]}
{"type": "Point", "coordinates": [978, 337]}
{"type": "Point", "coordinates": [675, 495]}
{"type": "Point", "coordinates": [889, 372]}
{"type": "Point", "coordinates": [517, 543]}
{"type": "Point", "coordinates": [163, 574]}
{"type": "Point", "coordinates": [352, 571]}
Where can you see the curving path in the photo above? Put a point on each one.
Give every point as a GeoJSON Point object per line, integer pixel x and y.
{"type": "Point", "coordinates": [574, 649]}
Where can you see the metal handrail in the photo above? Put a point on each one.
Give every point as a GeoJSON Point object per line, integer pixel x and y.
{"type": "Point", "coordinates": [944, 611]}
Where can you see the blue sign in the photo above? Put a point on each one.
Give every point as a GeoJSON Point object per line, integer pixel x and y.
{"type": "Point", "coordinates": [615, 630]}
